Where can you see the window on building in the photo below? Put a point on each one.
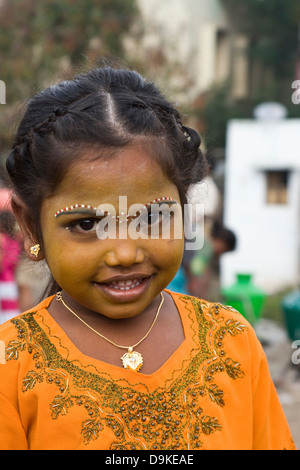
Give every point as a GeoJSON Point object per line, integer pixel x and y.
{"type": "Point", "coordinates": [277, 186]}
{"type": "Point", "coordinates": [222, 56]}
{"type": "Point", "coordinates": [240, 68]}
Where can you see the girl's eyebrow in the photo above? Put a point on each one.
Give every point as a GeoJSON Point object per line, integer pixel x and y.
{"type": "Point", "coordinates": [74, 212]}
{"type": "Point", "coordinates": [77, 209]}
{"type": "Point", "coordinates": [87, 209]}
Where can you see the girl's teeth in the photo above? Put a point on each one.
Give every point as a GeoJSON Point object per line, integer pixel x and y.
{"type": "Point", "coordinates": [126, 285]}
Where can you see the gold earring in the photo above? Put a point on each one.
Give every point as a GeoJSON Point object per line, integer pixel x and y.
{"type": "Point", "coordinates": [34, 250]}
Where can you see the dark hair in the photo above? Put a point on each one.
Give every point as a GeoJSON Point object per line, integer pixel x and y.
{"type": "Point", "coordinates": [105, 107]}
{"type": "Point", "coordinates": [220, 232]}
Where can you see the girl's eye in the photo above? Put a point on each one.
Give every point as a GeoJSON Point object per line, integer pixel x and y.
{"type": "Point", "coordinates": [84, 226]}
{"type": "Point", "coordinates": [154, 218]}
{"type": "Point", "coordinates": [149, 218]}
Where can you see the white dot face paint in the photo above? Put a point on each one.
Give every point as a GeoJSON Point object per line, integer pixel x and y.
{"type": "Point", "coordinates": [85, 209]}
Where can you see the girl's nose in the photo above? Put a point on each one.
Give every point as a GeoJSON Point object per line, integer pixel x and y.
{"type": "Point", "coordinates": [124, 253]}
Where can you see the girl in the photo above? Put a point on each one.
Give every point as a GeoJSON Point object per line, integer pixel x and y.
{"type": "Point", "coordinates": [112, 360]}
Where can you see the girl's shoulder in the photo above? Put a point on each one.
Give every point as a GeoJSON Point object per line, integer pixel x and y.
{"type": "Point", "coordinates": [12, 329]}
{"type": "Point", "coordinates": [218, 324]}
{"type": "Point", "coordinates": [214, 310]}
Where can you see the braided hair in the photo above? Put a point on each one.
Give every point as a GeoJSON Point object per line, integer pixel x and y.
{"type": "Point", "coordinates": [105, 107]}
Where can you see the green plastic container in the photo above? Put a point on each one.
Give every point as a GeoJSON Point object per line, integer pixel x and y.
{"type": "Point", "coordinates": [291, 310]}
{"type": "Point", "coordinates": [245, 297]}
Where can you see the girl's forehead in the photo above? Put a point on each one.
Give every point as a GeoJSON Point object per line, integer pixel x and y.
{"type": "Point", "coordinates": [98, 178]}
{"type": "Point", "coordinates": [119, 170]}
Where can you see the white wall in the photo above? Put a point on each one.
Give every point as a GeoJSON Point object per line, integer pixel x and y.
{"type": "Point", "coordinates": [268, 234]}
{"type": "Point", "coordinates": [185, 31]}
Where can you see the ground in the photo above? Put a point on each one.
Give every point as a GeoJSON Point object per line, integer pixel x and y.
{"type": "Point", "coordinates": [284, 363]}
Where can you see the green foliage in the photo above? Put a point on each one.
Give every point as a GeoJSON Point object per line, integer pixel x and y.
{"type": "Point", "coordinates": [272, 29]}
{"type": "Point", "coordinates": [217, 111]}
{"type": "Point", "coordinates": [272, 26]}
{"type": "Point", "coordinates": [45, 41]}
{"type": "Point", "coordinates": [36, 36]}
{"type": "Point", "coordinates": [219, 108]}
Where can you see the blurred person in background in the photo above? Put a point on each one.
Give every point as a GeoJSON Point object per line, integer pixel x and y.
{"type": "Point", "coordinates": [198, 265]}
{"type": "Point", "coordinates": [28, 281]}
{"type": "Point", "coordinates": [194, 276]}
{"type": "Point", "coordinates": [10, 250]}
{"type": "Point", "coordinates": [32, 279]}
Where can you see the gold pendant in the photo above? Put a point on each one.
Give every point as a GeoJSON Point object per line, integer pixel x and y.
{"type": "Point", "coordinates": [132, 360]}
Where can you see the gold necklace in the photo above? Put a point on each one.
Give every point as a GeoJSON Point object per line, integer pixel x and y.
{"type": "Point", "coordinates": [132, 360]}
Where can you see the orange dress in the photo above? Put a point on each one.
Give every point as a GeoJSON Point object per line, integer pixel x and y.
{"type": "Point", "coordinates": [214, 392]}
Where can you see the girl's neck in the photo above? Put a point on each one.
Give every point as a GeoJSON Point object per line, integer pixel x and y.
{"type": "Point", "coordinates": [165, 337]}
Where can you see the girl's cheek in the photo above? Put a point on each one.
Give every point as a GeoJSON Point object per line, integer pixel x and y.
{"type": "Point", "coordinates": [173, 252]}
{"type": "Point", "coordinates": [64, 260]}
{"type": "Point", "coordinates": [176, 246]}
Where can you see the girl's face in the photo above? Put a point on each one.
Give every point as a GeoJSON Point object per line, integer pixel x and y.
{"type": "Point", "coordinates": [117, 277]}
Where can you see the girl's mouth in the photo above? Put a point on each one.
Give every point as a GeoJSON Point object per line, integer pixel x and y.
{"type": "Point", "coordinates": [125, 290]}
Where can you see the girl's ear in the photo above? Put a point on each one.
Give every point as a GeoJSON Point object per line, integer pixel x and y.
{"type": "Point", "coordinates": [32, 245]}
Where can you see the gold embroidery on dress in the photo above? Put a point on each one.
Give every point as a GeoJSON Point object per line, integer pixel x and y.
{"type": "Point", "coordinates": [172, 416]}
